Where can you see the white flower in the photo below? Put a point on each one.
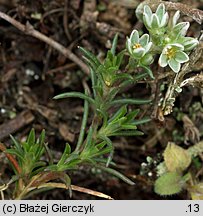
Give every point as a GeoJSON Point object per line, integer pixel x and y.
{"type": "Point", "coordinates": [157, 20]}
{"type": "Point", "coordinates": [138, 47]}
{"type": "Point", "coordinates": [173, 56]}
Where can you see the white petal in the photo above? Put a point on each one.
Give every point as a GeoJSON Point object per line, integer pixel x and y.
{"type": "Point", "coordinates": [139, 12]}
{"type": "Point", "coordinates": [155, 21]}
{"type": "Point", "coordinates": [163, 60]}
{"type": "Point", "coordinates": [176, 16]}
{"type": "Point", "coordinates": [147, 47]}
{"type": "Point", "coordinates": [189, 40]}
{"type": "Point", "coordinates": [174, 65]}
{"type": "Point", "coordinates": [166, 48]}
{"type": "Point", "coordinates": [147, 20]}
{"type": "Point", "coordinates": [164, 20]}
{"type": "Point", "coordinates": [160, 11]}
{"type": "Point", "coordinates": [178, 46]}
{"type": "Point", "coordinates": [134, 37]}
{"type": "Point", "coordinates": [139, 52]}
{"type": "Point", "coordinates": [129, 45]}
{"type": "Point", "coordinates": [144, 39]}
{"type": "Point", "coordinates": [148, 10]}
{"type": "Point", "coordinates": [181, 28]}
{"type": "Point", "coordinates": [190, 43]}
{"type": "Point", "coordinates": [191, 46]}
{"type": "Point", "coordinates": [181, 57]}
{"type": "Point", "coordinates": [184, 29]}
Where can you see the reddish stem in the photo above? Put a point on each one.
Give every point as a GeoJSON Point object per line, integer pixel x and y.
{"type": "Point", "coordinates": [11, 158]}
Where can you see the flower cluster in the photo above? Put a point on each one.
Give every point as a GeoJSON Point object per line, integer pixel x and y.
{"type": "Point", "coordinates": [166, 37]}
{"type": "Point", "coordinates": [155, 22]}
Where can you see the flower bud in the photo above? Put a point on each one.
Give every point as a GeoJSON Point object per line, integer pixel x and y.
{"type": "Point", "coordinates": [147, 59]}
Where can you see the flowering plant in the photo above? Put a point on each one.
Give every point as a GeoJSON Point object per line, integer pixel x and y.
{"type": "Point", "coordinates": [139, 47]}
{"type": "Point", "coordinates": [155, 22]}
{"type": "Point", "coordinates": [166, 38]}
{"type": "Point", "coordinates": [173, 56]}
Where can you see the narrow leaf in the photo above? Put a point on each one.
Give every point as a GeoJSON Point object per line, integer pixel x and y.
{"type": "Point", "coordinates": [89, 139]}
{"type": "Point", "coordinates": [114, 44]}
{"type": "Point", "coordinates": [104, 116]}
{"type": "Point", "coordinates": [132, 115]}
{"type": "Point", "coordinates": [16, 153]}
{"type": "Point", "coordinates": [117, 174]}
{"type": "Point", "coordinates": [141, 121]}
{"type": "Point", "coordinates": [120, 58]}
{"type": "Point", "coordinates": [83, 125]}
{"type": "Point", "coordinates": [128, 127]}
{"type": "Point", "coordinates": [31, 138]}
{"type": "Point", "coordinates": [120, 113]}
{"type": "Point", "coordinates": [17, 144]}
{"type": "Point", "coordinates": [133, 80]}
{"type": "Point", "coordinates": [65, 154]}
{"type": "Point", "coordinates": [128, 133]}
{"type": "Point", "coordinates": [41, 139]}
{"type": "Point", "coordinates": [130, 101]}
{"type": "Point", "coordinates": [75, 94]}
{"type": "Point", "coordinates": [101, 152]}
{"type": "Point", "coordinates": [94, 81]}
{"type": "Point", "coordinates": [90, 56]}
{"type": "Point", "coordinates": [100, 145]}
{"type": "Point", "coordinates": [110, 144]}
{"type": "Point", "coordinates": [148, 70]}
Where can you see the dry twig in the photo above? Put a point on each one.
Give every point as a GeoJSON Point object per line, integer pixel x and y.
{"type": "Point", "coordinates": [10, 158]}
{"type": "Point", "coordinates": [75, 188]}
{"type": "Point", "coordinates": [21, 120]}
{"type": "Point", "coordinates": [187, 10]}
{"type": "Point", "coordinates": [29, 30]}
{"type": "Point", "coordinates": [65, 21]}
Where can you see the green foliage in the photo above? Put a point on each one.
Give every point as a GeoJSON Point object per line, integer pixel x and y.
{"type": "Point", "coordinates": [172, 171]}
{"type": "Point", "coordinates": [176, 158]}
{"type": "Point", "coordinates": [28, 153]}
{"type": "Point", "coordinates": [168, 184]}
{"type": "Point", "coordinates": [110, 117]}
{"type": "Point", "coordinates": [107, 80]}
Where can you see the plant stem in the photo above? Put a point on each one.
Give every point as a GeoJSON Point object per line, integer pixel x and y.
{"type": "Point", "coordinates": [26, 189]}
{"type": "Point", "coordinates": [11, 159]}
